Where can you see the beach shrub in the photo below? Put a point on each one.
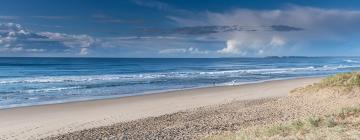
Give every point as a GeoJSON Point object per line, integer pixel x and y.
{"type": "Point", "coordinates": [330, 122]}
{"type": "Point", "coordinates": [281, 129]}
{"type": "Point", "coordinates": [298, 125]}
{"type": "Point", "coordinates": [314, 121]}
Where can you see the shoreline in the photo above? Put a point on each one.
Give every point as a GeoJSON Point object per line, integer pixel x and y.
{"type": "Point", "coordinates": [166, 91]}
{"type": "Point", "coordinates": [54, 119]}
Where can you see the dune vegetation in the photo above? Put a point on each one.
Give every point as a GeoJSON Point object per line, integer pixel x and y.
{"type": "Point", "coordinates": [343, 82]}
{"type": "Point", "coordinates": [341, 124]}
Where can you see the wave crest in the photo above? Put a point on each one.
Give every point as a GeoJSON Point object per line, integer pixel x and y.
{"type": "Point", "coordinates": [168, 75]}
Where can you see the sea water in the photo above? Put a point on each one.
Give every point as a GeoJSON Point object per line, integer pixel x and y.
{"type": "Point", "coordinates": [32, 81]}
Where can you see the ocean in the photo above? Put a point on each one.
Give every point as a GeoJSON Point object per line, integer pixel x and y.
{"type": "Point", "coordinates": [34, 81]}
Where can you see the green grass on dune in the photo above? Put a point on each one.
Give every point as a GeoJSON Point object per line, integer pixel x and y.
{"type": "Point", "coordinates": [343, 81]}
{"type": "Point", "coordinates": [344, 124]}
{"type": "Point", "coordinates": [339, 125]}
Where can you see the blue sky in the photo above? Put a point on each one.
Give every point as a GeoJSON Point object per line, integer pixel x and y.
{"type": "Point", "coordinates": [179, 28]}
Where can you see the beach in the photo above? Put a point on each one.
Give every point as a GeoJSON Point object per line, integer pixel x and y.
{"type": "Point", "coordinates": [176, 70]}
{"type": "Point", "coordinates": [36, 122]}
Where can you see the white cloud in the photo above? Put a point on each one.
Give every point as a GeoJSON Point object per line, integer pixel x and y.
{"type": "Point", "coordinates": [35, 50]}
{"type": "Point", "coordinates": [84, 51]}
{"type": "Point", "coordinates": [169, 51]}
{"type": "Point", "coordinates": [277, 41]}
{"type": "Point", "coordinates": [190, 50]}
{"type": "Point", "coordinates": [12, 29]}
{"type": "Point", "coordinates": [70, 40]}
{"type": "Point", "coordinates": [15, 38]}
{"type": "Point", "coordinates": [251, 44]}
{"type": "Point", "coordinates": [17, 49]}
{"type": "Point", "coordinates": [197, 51]}
{"type": "Point", "coordinates": [231, 47]}
{"type": "Point", "coordinates": [13, 49]}
{"type": "Point", "coordinates": [320, 25]}
{"type": "Point", "coordinates": [8, 17]}
{"type": "Point", "coordinates": [9, 33]}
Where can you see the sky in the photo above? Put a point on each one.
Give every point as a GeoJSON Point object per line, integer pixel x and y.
{"type": "Point", "coordinates": [179, 28]}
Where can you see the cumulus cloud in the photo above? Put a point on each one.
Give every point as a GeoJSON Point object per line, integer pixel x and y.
{"type": "Point", "coordinates": [277, 41]}
{"type": "Point", "coordinates": [11, 28]}
{"type": "Point", "coordinates": [231, 47]}
{"type": "Point", "coordinates": [35, 50]}
{"type": "Point", "coordinates": [197, 51]}
{"type": "Point", "coordinates": [83, 51]}
{"type": "Point", "coordinates": [15, 38]}
{"type": "Point", "coordinates": [190, 50]}
{"type": "Point", "coordinates": [295, 26]}
{"type": "Point", "coordinates": [70, 40]}
{"type": "Point", "coordinates": [169, 51]}
{"type": "Point", "coordinates": [10, 32]}
{"type": "Point", "coordinates": [244, 44]}
{"type": "Point", "coordinates": [236, 32]}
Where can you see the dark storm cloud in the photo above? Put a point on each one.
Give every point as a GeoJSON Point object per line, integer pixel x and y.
{"type": "Point", "coordinates": [285, 28]}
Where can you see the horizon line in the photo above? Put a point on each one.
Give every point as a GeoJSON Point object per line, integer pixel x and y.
{"type": "Point", "coordinates": [287, 56]}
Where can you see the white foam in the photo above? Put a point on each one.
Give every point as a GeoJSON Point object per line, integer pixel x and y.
{"type": "Point", "coordinates": [351, 61]}
{"type": "Point", "coordinates": [49, 89]}
{"type": "Point", "coordinates": [168, 75]}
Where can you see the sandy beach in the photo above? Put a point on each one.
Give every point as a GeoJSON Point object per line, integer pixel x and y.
{"type": "Point", "coordinates": [42, 121]}
{"type": "Point", "coordinates": [179, 70]}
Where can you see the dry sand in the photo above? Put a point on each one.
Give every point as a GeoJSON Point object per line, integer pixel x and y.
{"type": "Point", "coordinates": [231, 117]}
{"type": "Point", "coordinates": [163, 115]}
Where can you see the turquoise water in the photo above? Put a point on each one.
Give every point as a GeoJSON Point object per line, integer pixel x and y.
{"type": "Point", "coordinates": [30, 81]}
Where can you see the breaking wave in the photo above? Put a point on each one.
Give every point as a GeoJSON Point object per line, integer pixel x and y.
{"type": "Point", "coordinates": [168, 75]}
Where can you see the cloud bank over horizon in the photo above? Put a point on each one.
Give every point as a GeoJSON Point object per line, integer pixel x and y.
{"type": "Point", "coordinates": [236, 32]}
